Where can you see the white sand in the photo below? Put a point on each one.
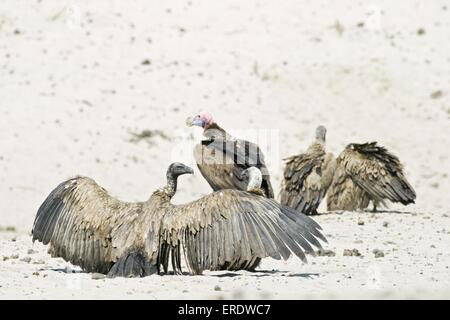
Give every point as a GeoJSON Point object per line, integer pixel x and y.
{"type": "Point", "coordinates": [73, 87]}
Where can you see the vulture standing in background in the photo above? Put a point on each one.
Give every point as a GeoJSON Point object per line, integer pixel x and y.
{"type": "Point", "coordinates": [221, 158]}
{"type": "Point", "coordinates": [308, 176]}
{"type": "Point", "coordinates": [368, 172]}
{"type": "Point", "coordinates": [225, 230]}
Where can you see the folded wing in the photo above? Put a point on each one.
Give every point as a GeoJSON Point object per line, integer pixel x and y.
{"type": "Point", "coordinates": [221, 162]}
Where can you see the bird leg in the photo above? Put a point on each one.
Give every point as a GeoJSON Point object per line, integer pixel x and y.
{"type": "Point", "coordinates": [374, 207]}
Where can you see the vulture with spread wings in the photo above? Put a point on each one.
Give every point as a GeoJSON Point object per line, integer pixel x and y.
{"type": "Point", "coordinates": [221, 158]}
{"type": "Point", "coordinates": [368, 172]}
{"type": "Point", "coordinates": [225, 230]}
{"type": "Point", "coordinates": [308, 176]}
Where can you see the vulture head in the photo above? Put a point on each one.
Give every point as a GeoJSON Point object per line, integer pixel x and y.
{"type": "Point", "coordinates": [177, 169]}
{"type": "Point", "coordinates": [202, 119]}
{"type": "Point", "coordinates": [254, 177]}
{"type": "Point", "coordinates": [321, 133]}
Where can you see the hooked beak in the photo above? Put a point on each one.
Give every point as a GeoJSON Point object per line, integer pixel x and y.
{"type": "Point", "coordinates": [191, 121]}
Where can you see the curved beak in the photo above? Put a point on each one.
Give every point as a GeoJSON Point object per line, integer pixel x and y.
{"type": "Point", "coordinates": [191, 121]}
{"type": "Point", "coordinates": [188, 170]}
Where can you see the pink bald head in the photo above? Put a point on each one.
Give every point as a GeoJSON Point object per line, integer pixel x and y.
{"type": "Point", "coordinates": [206, 117]}
{"type": "Point", "coordinates": [202, 119]}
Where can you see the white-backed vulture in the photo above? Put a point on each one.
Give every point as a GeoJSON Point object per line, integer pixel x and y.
{"type": "Point", "coordinates": [87, 227]}
{"type": "Point", "coordinates": [368, 172]}
{"type": "Point", "coordinates": [221, 158]}
{"type": "Point", "coordinates": [307, 176]}
{"type": "Point", "coordinates": [225, 230]}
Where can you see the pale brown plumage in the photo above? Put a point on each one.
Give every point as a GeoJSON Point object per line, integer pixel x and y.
{"type": "Point", "coordinates": [233, 229]}
{"type": "Point", "coordinates": [368, 172]}
{"type": "Point", "coordinates": [221, 158]}
{"type": "Point", "coordinates": [89, 228]}
{"type": "Point", "coordinates": [226, 230]}
{"type": "Point", "coordinates": [307, 176]}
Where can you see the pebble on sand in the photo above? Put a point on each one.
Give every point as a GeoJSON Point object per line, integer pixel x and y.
{"type": "Point", "coordinates": [378, 253]}
{"type": "Point", "coordinates": [217, 288]}
{"type": "Point", "coordinates": [352, 253]}
{"type": "Point", "coordinates": [325, 252]}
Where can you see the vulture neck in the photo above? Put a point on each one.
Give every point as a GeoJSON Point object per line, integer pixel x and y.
{"type": "Point", "coordinates": [214, 130]}
{"type": "Point", "coordinates": [171, 188]}
{"type": "Point", "coordinates": [317, 147]}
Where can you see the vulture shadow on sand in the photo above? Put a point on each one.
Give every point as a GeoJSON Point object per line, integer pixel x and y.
{"type": "Point", "coordinates": [63, 270]}
{"type": "Point", "coordinates": [387, 211]}
{"type": "Point", "coordinates": [304, 275]}
{"type": "Point", "coordinates": [265, 273]}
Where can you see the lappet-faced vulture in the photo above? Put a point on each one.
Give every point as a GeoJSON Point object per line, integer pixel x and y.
{"type": "Point", "coordinates": [307, 176]}
{"type": "Point", "coordinates": [221, 158]}
{"type": "Point", "coordinates": [368, 172]}
{"type": "Point", "coordinates": [225, 230]}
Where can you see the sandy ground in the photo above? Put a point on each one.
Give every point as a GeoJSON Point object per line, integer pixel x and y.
{"type": "Point", "coordinates": [78, 78]}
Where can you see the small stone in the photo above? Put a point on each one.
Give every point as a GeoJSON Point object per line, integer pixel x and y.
{"type": "Point", "coordinates": [5, 258]}
{"type": "Point", "coordinates": [31, 251]}
{"type": "Point", "coordinates": [378, 253]}
{"type": "Point", "coordinates": [185, 291]}
{"type": "Point", "coordinates": [36, 273]}
{"type": "Point", "coordinates": [420, 31]}
{"type": "Point", "coordinates": [360, 222]}
{"type": "Point", "coordinates": [146, 62]}
{"type": "Point", "coordinates": [98, 276]}
{"type": "Point", "coordinates": [14, 256]}
{"type": "Point", "coordinates": [436, 94]}
{"type": "Point", "coordinates": [347, 252]}
{"type": "Point", "coordinates": [352, 253]}
{"type": "Point", "coordinates": [385, 224]}
{"type": "Point", "coordinates": [217, 288]}
{"type": "Point", "coordinates": [325, 252]}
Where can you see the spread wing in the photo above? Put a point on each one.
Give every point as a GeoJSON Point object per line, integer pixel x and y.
{"type": "Point", "coordinates": [307, 178]}
{"type": "Point", "coordinates": [378, 172]}
{"type": "Point", "coordinates": [89, 228]}
{"type": "Point", "coordinates": [229, 229]}
{"type": "Point", "coordinates": [221, 162]}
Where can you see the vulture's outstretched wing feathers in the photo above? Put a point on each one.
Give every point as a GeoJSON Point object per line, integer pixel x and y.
{"type": "Point", "coordinates": [377, 172]}
{"type": "Point", "coordinates": [231, 228]}
{"type": "Point", "coordinates": [89, 228]}
{"type": "Point", "coordinates": [233, 156]}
